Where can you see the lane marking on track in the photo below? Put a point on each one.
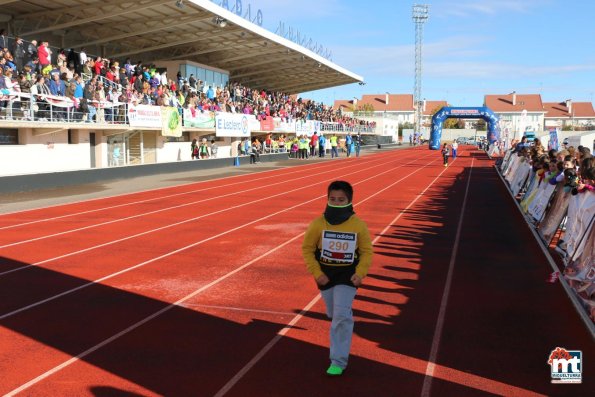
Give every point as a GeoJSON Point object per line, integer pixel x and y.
{"type": "Point", "coordinates": [236, 378]}
{"type": "Point", "coordinates": [198, 291]}
{"type": "Point", "coordinates": [179, 250]}
{"type": "Point", "coordinates": [276, 183]}
{"type": "Point", "coordinates": [312, 166]}
{"type": "Point", "coordinates": [187, 221]}
{"type": "Point", "coordinates": [427, 385]}
{"type": "Point", "coordinates": [147, 191]}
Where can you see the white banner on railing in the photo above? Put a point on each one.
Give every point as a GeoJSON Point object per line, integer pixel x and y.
{"type": "Point", "coordinates": [307, 127]}
{"type": "Point", "coordinates": [198, 119]}
{"type": "Point", "coordinates": [283, 126]}
{"type": "Point", "coordinates": [144, 116]}
{"type": "Point", "coordinates": [233, 125]}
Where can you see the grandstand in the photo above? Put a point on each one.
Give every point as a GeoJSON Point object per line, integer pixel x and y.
{"type": "Point", "coordinates": [190, 46]}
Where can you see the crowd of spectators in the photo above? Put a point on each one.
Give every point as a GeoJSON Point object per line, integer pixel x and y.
{"type": "Point", "coordinates": [558, 196]}
{"type": "Point", "coordinates": [96, 84]}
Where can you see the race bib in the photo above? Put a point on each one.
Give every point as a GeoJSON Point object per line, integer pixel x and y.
{"type": "Point", "coordinates": [338, 246]}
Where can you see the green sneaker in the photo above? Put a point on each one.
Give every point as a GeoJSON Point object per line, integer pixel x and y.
{"type": "Point", "coordinates": [334, 370]}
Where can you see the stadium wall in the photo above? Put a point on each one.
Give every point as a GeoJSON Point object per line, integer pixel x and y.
{"type": "Point", "coordinates": [54, 180]}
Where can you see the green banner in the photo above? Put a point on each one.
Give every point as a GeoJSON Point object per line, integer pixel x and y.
{"type": "Point", "coordinates": [171, 122]}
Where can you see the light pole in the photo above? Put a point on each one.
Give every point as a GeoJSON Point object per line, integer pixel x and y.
{"type": "Point", "coordinates": [420, 16]}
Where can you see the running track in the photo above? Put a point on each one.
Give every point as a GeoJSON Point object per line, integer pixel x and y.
{"type": "Point", "coordinates": [200, 289]}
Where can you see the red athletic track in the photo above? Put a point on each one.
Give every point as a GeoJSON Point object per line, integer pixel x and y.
{"type": "Point", "coordinates": [200, 290]}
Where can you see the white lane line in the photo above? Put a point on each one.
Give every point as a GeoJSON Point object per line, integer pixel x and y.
{"type": "Point", "coordinates": [427, 385]}
{"type": "Point", "coordinates": [145, 191]}
{"type": "Point", "coordinates": [236, 378]}
{"type": "Point", "coordinates": [168, 254]}
{"type": "Point", "coordinates": [276, 183]}
{"type": "Point", "coordinates": [190, 296]}
{"type": "Point", "coordinates": [266, 348]}
{"type": "Point", "coordinates": [179, 223]}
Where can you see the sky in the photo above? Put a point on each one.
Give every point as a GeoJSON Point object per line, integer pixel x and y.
{"type": "Point", "coordinates": [471, 47]}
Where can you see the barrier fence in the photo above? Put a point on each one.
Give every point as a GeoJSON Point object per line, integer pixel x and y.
{"type": "Point", "coordinates": [51, 108]}
{"type": "Point", "coordinates": [564, 219]}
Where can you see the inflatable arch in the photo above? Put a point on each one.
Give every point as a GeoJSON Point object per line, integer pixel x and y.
{"type": "Point", "coordinates": [463, 113]}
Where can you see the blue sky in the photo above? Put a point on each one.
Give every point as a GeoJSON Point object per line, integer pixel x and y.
{"type": "Point", "coordinates": [471, 47]}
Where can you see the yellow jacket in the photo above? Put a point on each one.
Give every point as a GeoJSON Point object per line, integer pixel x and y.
{"type": "Point", "coordinates": [312, 246]}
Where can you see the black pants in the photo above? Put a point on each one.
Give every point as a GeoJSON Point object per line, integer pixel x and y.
{"type": "Point", "coordinates": [445, 159]}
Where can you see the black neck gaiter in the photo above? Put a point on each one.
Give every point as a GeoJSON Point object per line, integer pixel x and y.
{"type": "Point", "coordinates": [336, 215]}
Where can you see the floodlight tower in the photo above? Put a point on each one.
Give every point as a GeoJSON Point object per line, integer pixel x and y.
{"type": "Point", "coordinates": [420, 16]}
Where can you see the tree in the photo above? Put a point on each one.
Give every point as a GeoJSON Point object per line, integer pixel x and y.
{"type": "Point", "coordinates": [451, 123]}
{"type": "Point", "coordinates": [405, 126]}
{"type": "Point", "coordinates": [481, 125]}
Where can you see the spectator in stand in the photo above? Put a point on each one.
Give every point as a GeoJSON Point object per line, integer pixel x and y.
{"type": "Point", "coordinates": [44, 54]}
{"type": "Point", "coordinates": [79, 87]}
{"type": "Point", "coordinates": [58, 88]}
{"type": "Point", "coordinates": [61, 58]}
{"type": "Point", "coordinates": [38, 103]}
{"type": "Point", "coordinates": [32, 50]}
{"type": "Point", "coordinates": [210, 93]}
{"type": "Point", "coordinates": [19, 53]}
{"type": "Point", "coordinates": [98, 66]}
{"type": "Point", "coordinates": [99, 101]}
{"type": "Point", "coordinates": [3, 39]}
{"type": "Point", "coordinates": [33, 65]}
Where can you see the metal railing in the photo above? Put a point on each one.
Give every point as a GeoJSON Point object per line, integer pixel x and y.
{"type": "Point", "coordinates": [338, 127]}
{"type": "Point", "coordinates": [52, 108]}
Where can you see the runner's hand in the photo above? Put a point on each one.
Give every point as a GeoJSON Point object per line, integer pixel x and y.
{"type": "Point", "coordinates": [322, 280]}
{"type": "Point", "coordinates": [356, 280]}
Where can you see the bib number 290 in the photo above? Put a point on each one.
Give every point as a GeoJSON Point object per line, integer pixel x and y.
{"type": "Point", "coordinates": [338, 247]}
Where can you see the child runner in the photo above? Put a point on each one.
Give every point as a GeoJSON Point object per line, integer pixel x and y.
{"type": "Point", "coordinates": [338, 253]}
{"type": "Point", "coordinates": [455, 146]}
{"type": "Point", "coordinates": [445, 153]}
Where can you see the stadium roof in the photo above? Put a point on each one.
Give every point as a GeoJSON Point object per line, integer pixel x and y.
{"type": "Point", "coordinates": [151, 30]}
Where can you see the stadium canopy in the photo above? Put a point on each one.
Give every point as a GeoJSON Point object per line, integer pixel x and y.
{"type": "Point", "coordinates": [166, 30]}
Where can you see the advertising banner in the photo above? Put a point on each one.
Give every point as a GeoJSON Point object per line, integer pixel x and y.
{"type": "Point", "coordinates": [554, 214]}
{"type": "Point", "coordinates": [233, 125]}
{"type": "Point", "coordinates": [144, 116]}
{"type": "Point", "coordinates": [199, 119]}
{"type": "Point", "coordinates": [307, 127]}
{"type": "Point", "coordinates": [171, 122]}
{"type": "Point", "coordinates": [283, 126]}
{"type": "Point", "coordinates": [267, 125]}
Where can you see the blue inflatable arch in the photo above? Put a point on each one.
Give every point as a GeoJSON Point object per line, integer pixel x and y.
{"type": "Point", "coordinates": [463, 113]}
